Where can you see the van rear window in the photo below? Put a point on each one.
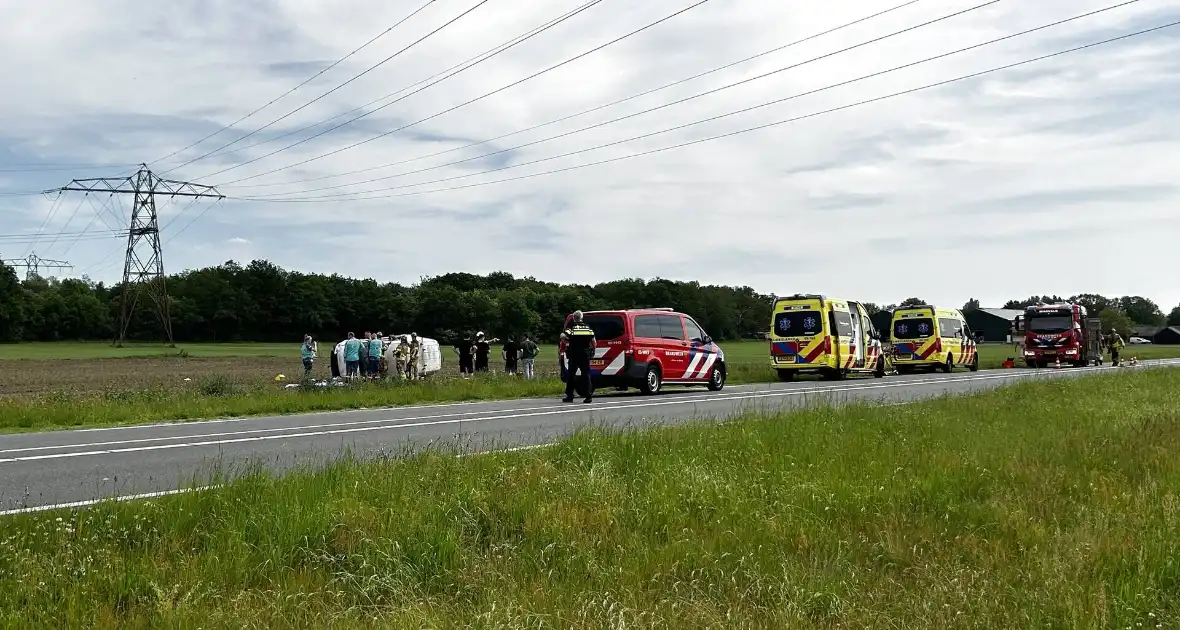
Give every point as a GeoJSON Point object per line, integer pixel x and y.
{"type": "Point", "coordinates": [798, 324]}
{"type": "Point", "coordinates": [914, 328]}
{"type": "Point", "coordinates": [606, 327]}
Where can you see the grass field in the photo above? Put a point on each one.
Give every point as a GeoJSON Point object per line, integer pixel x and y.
{"type": "Point", "coordinates": [1053, 504]}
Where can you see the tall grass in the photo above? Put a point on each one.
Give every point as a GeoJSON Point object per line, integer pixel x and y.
{"type": "Point", "coordinates": [214, 397]}
{"type": "Point", "coordinates": [1049, 505]}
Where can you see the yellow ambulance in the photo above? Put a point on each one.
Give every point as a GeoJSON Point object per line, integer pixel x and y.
{"type": "Point", "coordinates": [930, 337]}
{"type": "Point", "coordinates": [815, 334]}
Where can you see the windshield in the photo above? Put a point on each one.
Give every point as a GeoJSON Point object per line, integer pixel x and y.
{"type": "Point", "coordinates": [798, 324]}
{"type": "Point", "coordinates": [915, 328]}
{"type": "Point", "coordinates": [605, 327]}
{"type": "Point", "coordinates": [1048, 324]}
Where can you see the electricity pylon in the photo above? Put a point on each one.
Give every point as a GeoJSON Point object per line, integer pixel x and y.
{"type": "Point", "coordinates": [33, 264]}
{"type": "Point", "coordinates": [143, 270]}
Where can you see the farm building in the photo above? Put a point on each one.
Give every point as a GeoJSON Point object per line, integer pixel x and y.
{"type": "Point", "coordinates": [1146, 332]}
{"type": "Point", "coordinates": [1169, 336]}
{"type": "Point", "coordinates": [994, 324]}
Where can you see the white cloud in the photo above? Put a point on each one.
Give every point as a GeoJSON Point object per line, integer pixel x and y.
{"type": "Point", "coordinates": [237, 240]}
{"type": "Point", "coordinates": [1056, 177]}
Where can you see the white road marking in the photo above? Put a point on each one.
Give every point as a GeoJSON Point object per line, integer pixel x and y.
{"type": "Point", "coordinates": [301, 432]}
{"type": "Point", "coordinates": [490, 414]}
{"type": "Point", "coordinates": [90, 502]}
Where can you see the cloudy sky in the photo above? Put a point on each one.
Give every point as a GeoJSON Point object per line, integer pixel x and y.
{"type": "Point", "coordinates": [1054, 177]}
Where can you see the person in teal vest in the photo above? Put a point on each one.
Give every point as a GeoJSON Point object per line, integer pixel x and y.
{"type": "Point", "coordinates": [308, 353]}
{"type": "Point", "coordinates": [375, 352]}
{"type": "Point", "coordinates": [352, 356]}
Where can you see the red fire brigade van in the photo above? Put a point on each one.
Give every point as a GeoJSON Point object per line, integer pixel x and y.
{"type": "Point", "coordinates": [650, 348]}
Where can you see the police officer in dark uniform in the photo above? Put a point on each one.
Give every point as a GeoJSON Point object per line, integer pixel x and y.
{"type": "Point", "coordinates": [579, 350]}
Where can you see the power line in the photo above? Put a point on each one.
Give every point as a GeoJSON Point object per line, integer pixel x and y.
{"type": "Point", "coordinates": [451, 109]}
{"type": "Point", "coordinates": [49, 217]}
{"type": "Point", "coordinates": [40, 168]}
{"type": "Point", "coordinates": [305, 82]}
{"type": "Point", "coordinates": [592, 109]}
{"type": "Point", "coordinates": [366, 71]}
{"type": "Point", "coordinates": [649, 110]}
{"type": "Point", "coordinates": [756, 128]}
{"type": "Point", "coordinates": [208, 206]}
{"type": "Point", "coordinates": [473, 61]}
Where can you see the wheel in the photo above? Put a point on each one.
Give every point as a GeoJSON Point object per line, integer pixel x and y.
{"type": "Point", "coordinates": [949, 366]}
{"type": "Point", "coordinates": [652, 381]}
{"type": "Point", "coordinates": [834, 375]}
{"type": "Point", "coordinates": [717, 379]}
{"type": "Point", "coordinates": [974, 367]}
{"type": "Point", "coordinates": [880, 371]}
{"type": "Point", "coordinates": [786, 376]}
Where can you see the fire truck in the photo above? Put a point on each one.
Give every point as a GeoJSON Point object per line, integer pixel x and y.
{"type": "Point", "coordinates": [1062, 333]}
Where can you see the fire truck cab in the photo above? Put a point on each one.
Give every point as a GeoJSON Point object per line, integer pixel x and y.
{"type": "Point", "coordinates": [1060, 333]}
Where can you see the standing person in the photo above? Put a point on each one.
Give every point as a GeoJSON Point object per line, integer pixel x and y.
{"type": "Point", "coordinates": [363, 361]}
{"type": "Point", "coordinates": [466, 351]}
{"type": "Point", "coordinates": [413, 357]}
{"type": "Point", "coordinates": [352, 356]}
{"type": "Point", "coordinates": [308, 352]}
{"type": "Point", "coordinates": [375, 357]}
{"type": "Point", "coordinates": [483, 352]}
{"type": "Point", "coordinates": [528, 355]}
{"type": "Point", "coordinates": [579, 349]}
{"type": "Point", "coordinates": [1116, 344]}
{"type": "Point", "coordinates": [399, 356]}
{"type": "Point", "coordinates": [511, 352]}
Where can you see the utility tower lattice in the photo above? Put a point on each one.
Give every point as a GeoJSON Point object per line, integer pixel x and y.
{"type": "Point", "coordinates": [143, 266]}
{"type": "Point", "coordinates": [33, 264]}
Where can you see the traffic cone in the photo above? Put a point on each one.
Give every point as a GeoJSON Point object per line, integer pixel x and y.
{"type": "Point", "coordinates": [1057, 363]}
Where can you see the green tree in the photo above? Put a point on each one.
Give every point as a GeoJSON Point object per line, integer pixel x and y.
{"type": "Point", "coordinates": [971, 305]}
{"type": "Point", "coordinates": [1174, 317]}
{"type": "Point", "coordinates": [1141, 310]}
{"type": "Point", "coordinates": [12, 305]}
{"type": "Point", "coordinates": [1114, 319]}
{"type": "Point", "coordinates": [911, 302]}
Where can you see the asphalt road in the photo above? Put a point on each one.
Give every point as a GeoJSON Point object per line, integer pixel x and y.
{"type": "Point", "coordinates": [60, 468]}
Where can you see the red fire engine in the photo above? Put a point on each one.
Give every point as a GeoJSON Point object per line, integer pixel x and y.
{"type": "Point", "coordinates": [1060, 333]}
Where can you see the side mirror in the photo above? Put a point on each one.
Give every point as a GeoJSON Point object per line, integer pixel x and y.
{"type": "Point", "coordinates": [706, 339]}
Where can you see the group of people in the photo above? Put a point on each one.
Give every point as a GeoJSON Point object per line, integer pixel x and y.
{"type": "Point", "coordinates": [475, 355]}
{"type": "Point", "coordinates": [365, 358]}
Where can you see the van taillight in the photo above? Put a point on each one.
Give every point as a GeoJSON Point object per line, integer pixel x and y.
{"type": "Point", "coordinates": [938, 344]}
{"type": "Point", "coordinates": [828, 344]}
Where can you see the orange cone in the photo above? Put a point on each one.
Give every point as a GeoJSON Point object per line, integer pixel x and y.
{"type": "Point", "coordinates": [1057, 362]}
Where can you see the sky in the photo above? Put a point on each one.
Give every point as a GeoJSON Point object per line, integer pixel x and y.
{"type": "Point", "coordinates": [1054, 177]}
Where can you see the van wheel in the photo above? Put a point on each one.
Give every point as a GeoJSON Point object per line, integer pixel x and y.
{"type": "Point", "coordinates": [880, 371]}
{"type": "Point", "coordinates": [974, 367]}
{"type": "Point", "coordinates": [716, 379]}
{"type": "Point", "coordinates": [786, 376]}
{"type": "Point", "coordinates": [949, 366]}
{"type": "Point", "coordinates": [652, 381]}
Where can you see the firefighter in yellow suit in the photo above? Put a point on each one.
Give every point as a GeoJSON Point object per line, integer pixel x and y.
{"type": "Point", "coordinates": [413, 356]}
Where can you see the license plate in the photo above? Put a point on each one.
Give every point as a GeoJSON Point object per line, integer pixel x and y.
{"type": "Point", "coordinates": [597, 363]}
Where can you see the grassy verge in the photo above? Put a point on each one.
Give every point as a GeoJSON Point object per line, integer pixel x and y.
{"type": "Point", "coordinates": [1048, 504]}
{"type": "Point", "coordinates": [215, 397]}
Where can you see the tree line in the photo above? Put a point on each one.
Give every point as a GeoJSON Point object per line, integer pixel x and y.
{"type": "Point", "coordinates": [263, 302]}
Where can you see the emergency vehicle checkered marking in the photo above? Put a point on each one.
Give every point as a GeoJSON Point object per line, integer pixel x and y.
{"type": "Point", "coordinates": [701, 359]}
